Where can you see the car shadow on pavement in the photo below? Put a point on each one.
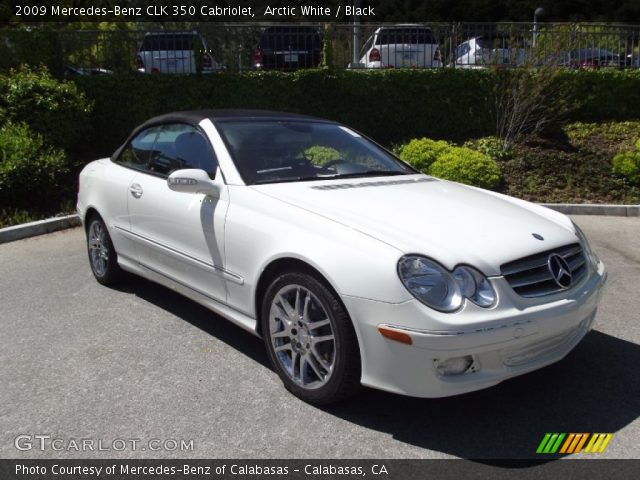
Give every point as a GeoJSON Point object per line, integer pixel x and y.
{"type": "Point", "coordinates": [198, 316]}
{"type": "Point", "coordinates": [595, 389]}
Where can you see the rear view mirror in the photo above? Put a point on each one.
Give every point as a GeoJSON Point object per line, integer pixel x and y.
{"type": "Point", "coordinates": [192, 180]}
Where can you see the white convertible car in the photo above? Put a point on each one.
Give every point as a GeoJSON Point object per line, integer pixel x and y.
{"type": "Point", "coordinates": [353, 267]}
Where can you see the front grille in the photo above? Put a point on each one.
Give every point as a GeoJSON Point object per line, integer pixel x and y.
{"type": "Point", "coordinates": [530, 276]}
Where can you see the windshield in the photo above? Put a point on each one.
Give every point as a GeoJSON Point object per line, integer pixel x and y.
{"type": "Point", "coordinates": [283, 38]}
{"type": "Point", "coordinates": [169, 42]}
{"type": "Point", "coordinates": [414, 36]}
{"type": "Point", "coordinates": [270, 151]}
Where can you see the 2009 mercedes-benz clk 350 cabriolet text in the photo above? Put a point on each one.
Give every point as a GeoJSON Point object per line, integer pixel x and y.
{"type": "Point", "coordinates": [353, 267]}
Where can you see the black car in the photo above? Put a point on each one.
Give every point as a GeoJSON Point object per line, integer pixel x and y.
{"type": "Point", "coordinates": [289, 47]}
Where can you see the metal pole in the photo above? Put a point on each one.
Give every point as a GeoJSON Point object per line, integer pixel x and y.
{"type": "Point", "coordinates": [538, 12]}
{"type": "Point", "coordinates": [356, 34]}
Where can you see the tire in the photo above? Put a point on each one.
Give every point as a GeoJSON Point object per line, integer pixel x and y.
{"type": "Point", "coordinates": [310, 340]}
{"type": "Point", "coordinates": [103, 258]}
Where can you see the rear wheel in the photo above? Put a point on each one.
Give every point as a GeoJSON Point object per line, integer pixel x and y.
{"type": "Point", "coordinates": [102, 256]}
{"type": "Point", "coordinates": [310, 339]}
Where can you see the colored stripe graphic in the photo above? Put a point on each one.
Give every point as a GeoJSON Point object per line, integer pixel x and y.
{"type": "Point", "coordinates": [574, 443]}
{"type": "Point", "coordinates": [608, 437]}
{"type": "Point", "coordinates": [567, 443]}
{"type": "Point", "coordinates": [598, 442]}
{"type": "Point", "coordinates": [550, 443]}
{"type": "Point", "coordinates": [583, 439]}
{"type": "Point", "coordinates": [543, 443]}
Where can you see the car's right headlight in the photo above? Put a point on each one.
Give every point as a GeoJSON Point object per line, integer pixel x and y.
{"type": "Point", "coordinates": [593, 258]}
{"type": "Point", "coordinates": [430, 283]}
{"type": "Point", "coordinates": [442, 290]}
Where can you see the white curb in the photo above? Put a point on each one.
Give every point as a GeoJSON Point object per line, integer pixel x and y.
{"type": "Point", "coordinates": [594, 209]}
{"type": "Point", "coordinates": [31, 229]}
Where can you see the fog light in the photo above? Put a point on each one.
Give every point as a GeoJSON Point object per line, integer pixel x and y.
{"type": "Point", "coordinates": [454, 366]}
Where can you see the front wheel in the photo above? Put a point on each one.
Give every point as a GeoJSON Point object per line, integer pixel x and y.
{"type": "Point", "coordinates": [102, 256]}
{"type": "Point", "coordinates": [310, 339]}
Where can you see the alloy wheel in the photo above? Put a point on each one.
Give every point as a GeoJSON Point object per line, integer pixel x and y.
{"type": "Point", "coordinates": [302, 336]}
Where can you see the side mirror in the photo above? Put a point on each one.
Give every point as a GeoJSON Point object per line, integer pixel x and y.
{"type": "Point", "coordinates": [192, 180]}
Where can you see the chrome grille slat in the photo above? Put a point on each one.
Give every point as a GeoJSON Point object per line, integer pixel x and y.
{"type": "Point", "coordinates": [567, 252]}
{"type": "Point", "coordinates": [529, 276]}
{"type": "Point", "coordinates": [576, 263]}
{"type": "Point", "coordinates": [525, 267]}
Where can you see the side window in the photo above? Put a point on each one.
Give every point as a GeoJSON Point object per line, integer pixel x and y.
{"type": "Point", "coordinates": [180, 146]}
{"type": "Point", "coordinates": [139, 152]}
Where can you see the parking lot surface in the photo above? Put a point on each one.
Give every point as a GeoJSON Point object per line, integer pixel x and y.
{"type": "Point", "coordinates": [139, 362]}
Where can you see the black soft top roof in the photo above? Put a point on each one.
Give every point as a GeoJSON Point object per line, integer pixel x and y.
{"type": "Point", "coordinates": [194, 117]}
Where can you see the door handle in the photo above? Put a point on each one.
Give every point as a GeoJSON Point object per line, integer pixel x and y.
{"type": "Point", "coordinates": [136, 190]}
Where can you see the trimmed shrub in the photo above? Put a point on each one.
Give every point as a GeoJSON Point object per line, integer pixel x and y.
{"type": "Point", "coordinates": [464, 165]}
{"type": "Point", "coordinates": [31, 174]}
{"type": "Point", "coordinates": [491, 146]}
{"type": "Point", "coordinates": [422, 152]}
{"type": "Point", "coordinates": [627, 165]}
{"type": "Point", "coordinates": [58, 111]}
{"type": "Point", "coordinates": [319, 155]}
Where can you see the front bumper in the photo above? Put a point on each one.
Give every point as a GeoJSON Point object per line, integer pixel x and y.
{"type": "Point", "coordinates": [516, 337]}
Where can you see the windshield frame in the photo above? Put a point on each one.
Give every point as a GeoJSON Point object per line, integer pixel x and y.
{"type": "Point", "coordinates": [408, 169]}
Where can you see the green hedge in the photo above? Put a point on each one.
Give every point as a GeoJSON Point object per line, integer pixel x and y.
{"type": "Point", "coordinates": [388, 106]}
{"type": "Point", "coordinates": [391, 106]}
{"type": "Point", "coordinates": [56, 110]}
{"type": "Point", "coordinates": [32, 175]}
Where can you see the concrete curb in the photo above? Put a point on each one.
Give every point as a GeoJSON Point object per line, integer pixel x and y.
{"type": "Point", "coordinates": [32, 229]}
{"type": "Point", "coordinates": [594, 209]}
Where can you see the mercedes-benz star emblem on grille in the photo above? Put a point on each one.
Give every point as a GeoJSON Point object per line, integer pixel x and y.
{"type": "Point", "coordinates": [560, 270]}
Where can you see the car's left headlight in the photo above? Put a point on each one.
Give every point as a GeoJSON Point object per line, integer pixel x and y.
{"type": "Point", "coordinates": [591, 256]}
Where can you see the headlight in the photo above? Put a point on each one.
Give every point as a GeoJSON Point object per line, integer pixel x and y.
{"type": "Point", "coordinates": [475, 286]}
{"type": "Point", "coordinates": [592, 257]}
{"type": "Point", "coordinates": [430, 283]}
{"type": "Point", "coordinates": [434, 286]}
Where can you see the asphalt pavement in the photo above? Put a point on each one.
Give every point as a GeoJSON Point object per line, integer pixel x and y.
{"type": "Point", "coordinates": [82, 362]}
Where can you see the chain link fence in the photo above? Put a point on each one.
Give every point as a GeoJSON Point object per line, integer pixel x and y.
{"type": "Point", "coordinates": [210, 47]}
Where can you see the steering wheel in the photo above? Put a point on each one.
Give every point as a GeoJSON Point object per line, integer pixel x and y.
{"type": "Point", "coordinates": [343, 166]}
{"type": "Point", "coordinates": [335, 163]}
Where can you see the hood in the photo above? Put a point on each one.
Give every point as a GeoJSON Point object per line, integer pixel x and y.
{"type": "Point", "coordinates": [449, 222]}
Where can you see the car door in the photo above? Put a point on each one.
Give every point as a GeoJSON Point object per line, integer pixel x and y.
{"type": "Point", "coordinates": [115, 184]}
{"type": "Point", "coordinates": [180, 235]}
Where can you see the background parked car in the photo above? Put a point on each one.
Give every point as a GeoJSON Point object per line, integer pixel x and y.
{"type": "Point", "coordinates": [174, 52]}
{"type": "Point", "coordinates": [288, 48]}
{"type": "Point", "coordinates": [486, 50]}
{"type": "Point", "coordinates": [71, 71]}
{"type": "Point", "coordinates": [401, 46]}
{"type": "Point", "coordinates": [592, 58]}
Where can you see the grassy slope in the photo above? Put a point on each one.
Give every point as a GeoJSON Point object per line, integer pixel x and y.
{"type": "Point", "coordinates": [573, 167]}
